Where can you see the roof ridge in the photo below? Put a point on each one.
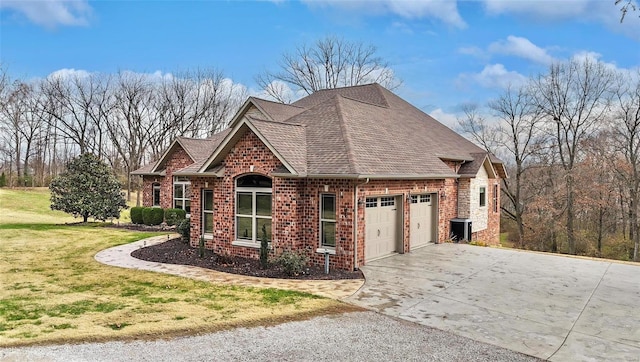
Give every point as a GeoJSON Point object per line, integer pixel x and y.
{"type": "Point", "coordinates": [277, 122]}
{"type": "Point", "coordinates": [274, 102]}
{"type": "Point", "coordinates": [345, 135]}
{"type": "Point", "coordinates": [365, 102]}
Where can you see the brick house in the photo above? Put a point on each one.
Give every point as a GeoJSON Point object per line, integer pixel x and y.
{"type": "Point", "coordinates": [355, 172]}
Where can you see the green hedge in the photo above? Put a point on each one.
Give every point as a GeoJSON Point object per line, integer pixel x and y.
{"type": "Point", "coordinates": [174, 216]}
{"type": "Point", "coordinates": [152, 216]}
{"type": "Point", "coordinates": [136, 214]}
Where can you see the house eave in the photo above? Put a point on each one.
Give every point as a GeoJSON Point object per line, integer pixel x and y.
{"type": "Point", "coordinates": [371, 177]}
{"type": "Point", "coordinates": [147, 173]}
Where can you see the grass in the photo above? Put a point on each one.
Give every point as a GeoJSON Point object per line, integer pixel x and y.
{"type": "Point", "coordinates": [54, 291]}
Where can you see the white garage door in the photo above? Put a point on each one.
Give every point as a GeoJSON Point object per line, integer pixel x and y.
{"type": "Point", "coordinates": [381, 226]}
{"type": "Point", "coordinates": [422, 220]}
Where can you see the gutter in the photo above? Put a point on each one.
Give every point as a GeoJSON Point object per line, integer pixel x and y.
{"type": "Point", "coordinates": [370, 177]}
{"type": "Point", "coordinates": [355, 224]}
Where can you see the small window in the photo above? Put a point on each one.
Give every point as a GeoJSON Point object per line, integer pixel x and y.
{"type": "Point", "coordinates": [414, 199]}
{"type": "Point", "coordinates": [156, 194]}
{"type": "Point", "coordinates": [371, 202]}
{"type": "Point", "coordinates": [495, 198]}
{"type": "Point", "coordinates": [483, 196]}
{"type": "Point", "coordinates": [425, 198]}
{"type": "Point", "coordinates": [328, 220]}
{"type": "Point", "coordinates": [207, 211]}
{"type": "Point", "coordinates": [387, 201]}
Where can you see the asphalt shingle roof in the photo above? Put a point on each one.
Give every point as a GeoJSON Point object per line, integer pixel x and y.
{"type": "Point", "coordinates": [353, 131]}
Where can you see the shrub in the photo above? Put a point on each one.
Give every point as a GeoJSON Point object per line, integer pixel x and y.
{"type": "Point", "coordinates": [292, 263]}
{"type": "Point", "coordinates": [136, 214]}
{"type": "Point", "coordinates": [88, 188]}
{"type": "Point", "coordinates": [174, 216]}
{"type": "Point", "coordinates": [184, 228]}
{"type": "Point", "coordinates": [152, 216]}
{"type": "Point", "coordinates": [3, 180]}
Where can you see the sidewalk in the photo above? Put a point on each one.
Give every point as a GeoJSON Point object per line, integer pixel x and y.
{"type": "Point", "coordinates": [120, 256]}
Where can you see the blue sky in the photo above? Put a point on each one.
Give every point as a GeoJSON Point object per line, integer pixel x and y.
{"type": "Point", "coordinates": [447, 53]}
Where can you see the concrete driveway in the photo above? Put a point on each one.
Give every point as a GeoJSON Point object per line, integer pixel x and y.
{"type": "Point", "coordinates": [548, 306]}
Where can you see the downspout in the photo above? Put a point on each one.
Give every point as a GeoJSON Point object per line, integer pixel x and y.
{"type": "Point", "coordinates": [355, 224]}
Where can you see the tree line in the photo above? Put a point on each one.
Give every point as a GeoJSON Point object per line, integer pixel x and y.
{"type": "Point", "coordinates": [127, 119]}
{"type": "Point", "coordinates": [571, 140]}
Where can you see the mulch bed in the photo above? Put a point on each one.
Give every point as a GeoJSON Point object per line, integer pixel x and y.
{"type": "Point", "coordinates": [177, 251]}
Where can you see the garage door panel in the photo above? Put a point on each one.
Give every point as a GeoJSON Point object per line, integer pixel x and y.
{"type": "Point", "coordinates": [422, 215]}
{"type": "Point", "coordinates": [381, 219]}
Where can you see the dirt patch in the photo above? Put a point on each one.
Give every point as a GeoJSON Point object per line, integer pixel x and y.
{"type": "Point", "coordinates": [179, 252]}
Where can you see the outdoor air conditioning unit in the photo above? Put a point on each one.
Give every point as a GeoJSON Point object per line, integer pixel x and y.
{"type": "Point", "coordinates": [461, 230]}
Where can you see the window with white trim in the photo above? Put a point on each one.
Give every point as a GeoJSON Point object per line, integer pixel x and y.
{"type": "Point", "coordinates": [207, 212]}
{"type": "Point", "coordinates": [156, 194]}
{"type": "Point", "coordinates": [371, 202]}
{"type": "Point", "coordinates": [253, 208]}
{"type": "Point", "coordinates": [328, 220]}
{"type": "Point", "coordinates": [483, 196]}
{"type": "Point", "coordinates": [182, 194]}
{"type": "Point", "coordinates": [495, 198]}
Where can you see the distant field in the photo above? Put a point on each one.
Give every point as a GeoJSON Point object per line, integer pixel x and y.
{"type": "Point", "coordinates": [54, 291]}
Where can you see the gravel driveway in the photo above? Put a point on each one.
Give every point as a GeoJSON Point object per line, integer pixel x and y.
{"type": "Point", "coordinates": [361, 336]}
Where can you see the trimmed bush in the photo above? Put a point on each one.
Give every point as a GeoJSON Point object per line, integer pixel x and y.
{"type": "Point", "coordinates": [152, 216]}
{"type": "Point", "coordinates": [136, 214]}
{"type": "Point", "coordinates": [174, 216]}
{"type": "Point", "coordinates": [292, 263]}
{"type": "Point", "coordinates": [184, 228]}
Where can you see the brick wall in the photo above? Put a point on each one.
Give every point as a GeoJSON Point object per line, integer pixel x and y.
{"type": "Point", "coordinates": [296, 202]}
{"type": "Point", "coordinates": [491, 235]}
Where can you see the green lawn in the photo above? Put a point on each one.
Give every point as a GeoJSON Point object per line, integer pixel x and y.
{"type": "Point", "coordinates": [54, 291]}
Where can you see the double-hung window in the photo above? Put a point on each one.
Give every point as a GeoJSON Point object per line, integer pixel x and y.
{"type": "Point", "coordinates": [253, 208]}
{"type": "Point", "coordinates": [328, 220]}
{"type": "Point", "coordinates": [156, 194]}
{"type": "Point", "coordinates": [207, 212]}
{"type": "Point", "coordinates": [182, 194]}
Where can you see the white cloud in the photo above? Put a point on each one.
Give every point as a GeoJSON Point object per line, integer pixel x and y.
{"type": "Point", "coordinates": [51, 13]}
{"type": "Point", "coordinates": [556, 9]}
{"type": "Point", "coordinates": [521, 47]}
{"type": "Point", "coordinates": [472, 50]}
{"type": "Point", "coordinates": [493, 76]}
{"type": "Point", "coordinates": [445, 11]}
{"type": "Point", "coordinates": [599, 11]}
{"type": "Point", "coordinates": [66, 73]}
{"type": "Point", "coordinates": [448, 119]}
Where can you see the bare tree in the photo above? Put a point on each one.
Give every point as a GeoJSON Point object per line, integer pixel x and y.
{"type": "Point", "coordinates": [80, 106]}
{"type": "Point", "coordinates": [626, 6]}
{"type": "Point", "coordinates": [626, 132]}
{"type": "Point", "coordinates": [329, 63]}
{"type": "Point", "coordinates": [574, 97]}
{"type": "Point", "coordinates": [199, 103]}
{"type": "Point", "coordinates": [132, 121]}
{"type": "Point", "coordinates": [515, 134]}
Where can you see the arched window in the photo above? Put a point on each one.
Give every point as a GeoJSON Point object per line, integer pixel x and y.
{"type": "Point", "coordinates": [253, 208]}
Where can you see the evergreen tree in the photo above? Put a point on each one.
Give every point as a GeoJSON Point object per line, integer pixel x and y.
{"type": "Point", "coordinates": [88, 188]}
{"type": "Point", "coordinates": [3, 180]}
